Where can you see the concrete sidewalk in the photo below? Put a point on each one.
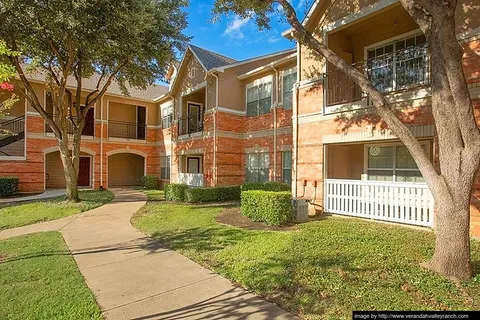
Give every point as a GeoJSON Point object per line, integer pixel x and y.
{"type": "Point", "coordinates": [45, 195]}
{"type": "Point", "coordinates": [135, 277]}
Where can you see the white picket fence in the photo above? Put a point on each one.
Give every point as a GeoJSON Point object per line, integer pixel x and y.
{"type": "Point", "coordinates": [409, 203]}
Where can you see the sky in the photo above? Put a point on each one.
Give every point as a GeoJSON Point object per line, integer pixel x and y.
{"type": "Point", "coordinates": [235, 37]}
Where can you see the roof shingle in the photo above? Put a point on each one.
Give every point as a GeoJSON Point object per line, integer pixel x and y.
{"type": "Point", "coordinates": [211, 59]}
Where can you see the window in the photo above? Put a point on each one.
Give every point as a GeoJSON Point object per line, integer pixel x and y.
{"type": "Point", "coordinates": [259, 97]}
{"type": "Point", "coordinates": [287, 167]}
{"type": "Point", "coordinates": [166, 112]}
{"type": "Point", "coordinates": [165, 167]}
{"type": "Point", "coordinates": [289, 79]}
{"type": "Point", "coordinates": [257, 167]}
{"type": "Point", "coordinates": [392, 163]}
{"type": "Point", "coordinates": [399, 64]}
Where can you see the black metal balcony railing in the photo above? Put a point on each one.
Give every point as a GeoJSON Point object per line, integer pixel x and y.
{"type": "Point", "coordinates": [391, 72]}
{"type": "Point", "coordinates": [167, 121]}
{"type": "Point", "coordinates": [126, 130]}
{"type": "Point", "coordinates": [88, 129]}
{"type": "Point", "coordinates": [190, 124]}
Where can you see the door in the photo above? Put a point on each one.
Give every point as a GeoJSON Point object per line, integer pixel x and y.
{"type": "Point", "coordinates": [193, 165]}
{"type": "Point", "coordinates": [194, 118]}
{"type": "Point", "coordinates": [89, 128]}
{"type": "Point", "coordinates": [141, 122]}
{"type": "Point", "coordinates": [84, 172]}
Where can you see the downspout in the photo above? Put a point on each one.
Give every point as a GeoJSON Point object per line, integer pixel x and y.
{"type": "Point", "coordinates": [215, 132]}
{"type": "Point", "coordinates": [101, 145]}
{"type": "Point", "coordinates": [295, 122]}
{"type": "Point", "coordinates": [277, 87]}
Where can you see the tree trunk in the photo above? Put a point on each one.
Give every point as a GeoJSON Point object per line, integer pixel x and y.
{"type": "Point", "coordinates": [452, 243]}
{"type": "Point", "coordinates": [71, 175]}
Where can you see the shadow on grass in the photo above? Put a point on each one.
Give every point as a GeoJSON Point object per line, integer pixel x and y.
{"type": "Point", "coordinates": [129, 247]}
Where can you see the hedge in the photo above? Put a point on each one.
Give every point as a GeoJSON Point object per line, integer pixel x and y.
{"type": "Point", "coordinates": [267, 186]}
{"type": "Point", "coordinates": [8, 186]}
{"type": "Point", "coordinates": [271, 207]}
{"type": "Point", "coordinates": [175, 192]}
{"type": "Point", "coordinates": [150, 182]}
{"type": "Point", "coordinates": [212, 194]}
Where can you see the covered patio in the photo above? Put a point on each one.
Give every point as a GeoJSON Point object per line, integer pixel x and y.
{"type": "Point", "coordinates": [378, 181]}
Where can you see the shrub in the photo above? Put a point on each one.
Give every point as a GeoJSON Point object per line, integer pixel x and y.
{"type": "Point", "coordinates": [271, 207]}
{"type": "Point", "coordinates": [212, 194]}
{"type": "Point", "coordinates": [267, 186]}
{"type": "Point", "coordinates": [175, 192]}
{"type": "Point", "coordinates": [8, 186]}
{"type": "Point", "coordinates": [150, 182]}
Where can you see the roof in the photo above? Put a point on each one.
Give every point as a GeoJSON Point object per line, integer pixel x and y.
{"type": "Point", "coordinates": [210, 59]}
{"type": "Point", "coordinates": [267, 66]}
{"type": "Point", "coordinates": [269, 55]}
{"type": "Point", "coordinates": [89, 84]}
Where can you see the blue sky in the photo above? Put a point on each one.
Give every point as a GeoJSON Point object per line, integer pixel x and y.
{"type": "Point", "coordinates": [234, 37]}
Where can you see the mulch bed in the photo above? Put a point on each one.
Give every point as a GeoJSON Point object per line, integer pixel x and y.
{"type": "Point", "coordinates": [233, 217]}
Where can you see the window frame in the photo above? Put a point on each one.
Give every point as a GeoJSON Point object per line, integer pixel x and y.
{"type": "Point", "coordinates": [394, 169]}
{"type": "Point", "coordinates": [167, 168]}
{"type": "Point", "coordinates": [285, 73]}
{"type": "Point", "coordinates": [257, 169]}
{"type": "Point", "coordinates": [167, 109]}
{"type": "Point", "coordinates": [256, 83]}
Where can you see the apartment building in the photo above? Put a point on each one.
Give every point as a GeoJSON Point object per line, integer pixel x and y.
{"type": "Point", "coordinates": [220, 122]}
{"type": "Point", "coordinates": [230, 120]}
{"type": "Point", "coordinates": [121, 141]}
{"type": "Point", "coordinates": [359, 168]}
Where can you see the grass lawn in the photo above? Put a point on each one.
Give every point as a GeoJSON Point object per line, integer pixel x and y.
{"type": "Point", "coordinates": [40, 280]}
{"type": "Point", "coordinates": [324, 269]}
{"type": "Point", "coordinates": [50, 209]}
{"type": "Point", "coordinates": [153, 194]}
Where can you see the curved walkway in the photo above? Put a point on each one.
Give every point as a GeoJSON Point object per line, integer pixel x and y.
{"type": "Point", "coordinates": [135, 277]}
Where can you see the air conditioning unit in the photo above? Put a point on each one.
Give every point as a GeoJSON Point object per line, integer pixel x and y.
{"type": "Point", "coordinates": [300, 210]}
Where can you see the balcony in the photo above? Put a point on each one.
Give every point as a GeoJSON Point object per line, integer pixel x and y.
{"type": "Point", "coordinates": [390, 72]}
{"type": "Point", "coordinates": [88, 129]}
{"type": "Point", "coordinates": [126, 130]}
{"type": "Point", "coordinates": [190, 124]}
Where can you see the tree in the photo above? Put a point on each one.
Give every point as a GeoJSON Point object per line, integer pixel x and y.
{"type": "Point", "coordinates": [7, 72]}
{"type": "Point", "coordinates": [129, 42]}
{"type": "Point", "coordinates": [457, 132]}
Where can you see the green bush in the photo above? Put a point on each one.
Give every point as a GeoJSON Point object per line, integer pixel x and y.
{"type": "Point", "coordinates": [175, 192]}
{"type": "Point", "coordinates": [267, 186]}
{"type": "Point", "coordinates": [271, 207]}
{"type": "Point", "coordinates": [150, 182]}
{"type": "Point", "coordinates": [212, 194]}
{"type": "Point", "coordinates": [8, 186]}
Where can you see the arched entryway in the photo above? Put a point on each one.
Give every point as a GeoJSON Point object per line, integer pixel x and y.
{"type": "Point", "coordinates": [55, 177]}
{"type": "Point", "coordinates": [125, 168]}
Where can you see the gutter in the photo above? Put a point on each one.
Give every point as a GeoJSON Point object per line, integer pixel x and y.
{"type": "Point", "coordinates": [214, 125]}
{"type": "Point", "coordinates": [295, 124]}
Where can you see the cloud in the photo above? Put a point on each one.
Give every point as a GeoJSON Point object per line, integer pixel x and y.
{"type": "Point", "coordinates": [273, 39]}
{"type": "Point", "coordinates": [233, 27]}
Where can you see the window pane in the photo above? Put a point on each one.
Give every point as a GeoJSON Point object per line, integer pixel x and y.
{"type": "Point", "coordinates": [380, 175]}
{"type": "Point", "coordinates": [287, 159]}
{"type": "Point", "coordinates": [252, 109]}
{"type": "Point", "coordinates": [252, 94]}
{"type": "Point", "coordinates": [287, 176]}
{"type": "Point", "coordinates": [380, 157]}
{"type": "Point", "coordinates": [409, 176]}
{"type": "Point", "coordinates": [265, 105]}
{"type": "Point", "coordinates": [404, 159]}
{"type": "Point", "coordinates": [265, 90]}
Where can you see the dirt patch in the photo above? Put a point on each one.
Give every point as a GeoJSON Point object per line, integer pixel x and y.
{"type": "Point", "coordinates": [233, 217]}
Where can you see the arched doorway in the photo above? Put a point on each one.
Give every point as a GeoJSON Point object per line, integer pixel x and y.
{"type": "Point", "coordinates": [55, 177]}
{"type": "Point", "coordinates": [125, 169]}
